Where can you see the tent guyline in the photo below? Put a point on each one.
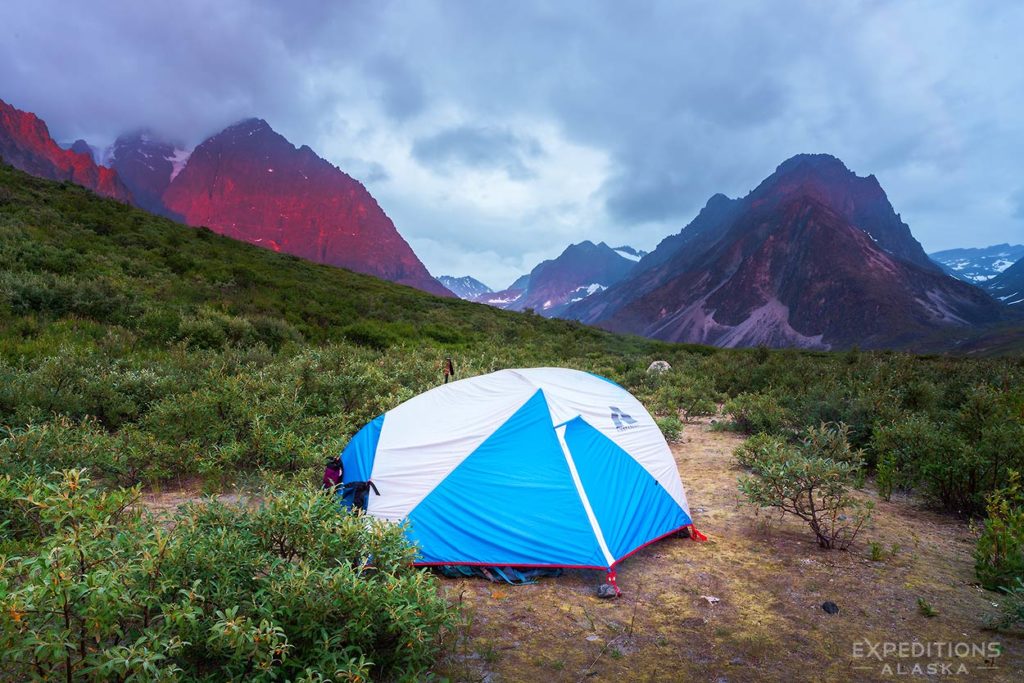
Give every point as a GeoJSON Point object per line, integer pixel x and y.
{"type": "Point", "coordinates": [530, 468]}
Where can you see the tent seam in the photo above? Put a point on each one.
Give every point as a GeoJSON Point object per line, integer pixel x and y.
{"type": "Point", "coordinates": [594, 524]}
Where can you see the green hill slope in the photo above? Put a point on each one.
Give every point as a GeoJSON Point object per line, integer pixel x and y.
{"type": "Point", "coordinates": [150, 351]}
{"type": "Point", "coordinates": [68, 252]}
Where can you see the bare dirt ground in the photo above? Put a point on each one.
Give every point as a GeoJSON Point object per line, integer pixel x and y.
{"type": "Point", "coordinates": [770, 580]}
{"type": "Point", "coordinates": [166, 501]}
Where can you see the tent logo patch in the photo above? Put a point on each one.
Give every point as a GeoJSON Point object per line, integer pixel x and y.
{"type": "Point", "coordinates": [622, 420]}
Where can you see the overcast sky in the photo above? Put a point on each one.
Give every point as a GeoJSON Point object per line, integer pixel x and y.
{"type": "Point", "coordinates": [496, 133]}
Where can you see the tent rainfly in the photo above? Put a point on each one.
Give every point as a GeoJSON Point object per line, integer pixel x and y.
{"type": "Point", "coordinates": [539, 467]}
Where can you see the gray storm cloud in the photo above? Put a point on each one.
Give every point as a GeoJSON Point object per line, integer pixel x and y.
{"type": "Point", "coordinates": [479, 147]}
{"type": "Point", "coordinates": [682, 99]}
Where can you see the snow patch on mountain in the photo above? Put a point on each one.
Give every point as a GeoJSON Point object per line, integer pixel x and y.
{"type": "Point", "coordinates": [630, 253]}
{"type": "Point", "coordinates": [978, 264]}
{"type": "Point", "coordinates": [626, 254]}
{"type": "Point", "coordinates": [581, 293]}
{"type": "Point", "coordinates": [178, 160]}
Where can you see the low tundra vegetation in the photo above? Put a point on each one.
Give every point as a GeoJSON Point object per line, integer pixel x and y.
{"type": "Point", "coordinates": [150, 353]}
{"type": "Point", "coordinates": [290, 589]}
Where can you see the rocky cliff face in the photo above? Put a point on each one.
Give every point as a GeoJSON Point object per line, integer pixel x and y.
{"type": "Point", "coordinates": [248, 182]}
{"type": "Point", "coordinates": [814, 257]}
{"type": "Point", "coordinates": [147, 165]}
{"type": "Point", "coordinates": [25, 143]}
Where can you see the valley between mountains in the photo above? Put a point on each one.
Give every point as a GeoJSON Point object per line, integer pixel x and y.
{"type": "Point", "coordinates": [813, 257]}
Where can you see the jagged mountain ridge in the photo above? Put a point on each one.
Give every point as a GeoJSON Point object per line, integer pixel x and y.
{"type": "Point", "coordinates": [310, 209]}
{"type": "Point", "coordinates": [26, 144]}
{"type": "Point", "coordinates": [250, 183]}
{"type": "Point", "coordinates": [465, 287]}
{"type": "Point", "coordinates": [813, 257]}
{"type": "Point", "coordinates": [578, 272]}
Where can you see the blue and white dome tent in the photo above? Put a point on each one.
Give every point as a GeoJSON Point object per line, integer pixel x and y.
{"type": "Point", "coordinates": [539, 467]}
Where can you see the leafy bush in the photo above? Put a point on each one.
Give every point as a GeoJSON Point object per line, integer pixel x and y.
{"type": "Point", "coordinates": [886, 475]}
{"type": "Point", "coordinates": [670, 427]}
{"type": "Point", "coordinates": [293, 590]}
{"type": "Point", "coordinates": [916, 452]}
{"type": "Point", "coordinates": [810, 481]}
{"type": "Point", "coordinates": [999, 556]}
{"type": "Point", "coordinates": [374, 336]}
{"type": "Point", "coordinates": [757, 413]}
{"type": "Point", "coordinates": [761, 450]}
{"type": "Point", "coordinates": [696, 394]}
{"type": "Point", "coordinates": [1012, 607]}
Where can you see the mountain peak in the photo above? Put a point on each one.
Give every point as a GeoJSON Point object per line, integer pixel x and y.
{"type": "Point", "coordinates": [813, 162]}
{"type": "Point", "coordinates": [465, 287]}
{"type": "Point", "coordinates": [147, 163]}
{"type": "Point", "coordinates": [80, 146]}
{"type": "Point", "coordinates": [248, 126]}
{"type": "Point", "coordinates": [26, 144]}
{"type": "Point", "coordinates": [815, 256]}
{"type": "Point", "coordinates": [717, 200]}
{"type": "Point", "coordinates": [250, 183]}
{"type": "Point", "coordinates": [861, 200]}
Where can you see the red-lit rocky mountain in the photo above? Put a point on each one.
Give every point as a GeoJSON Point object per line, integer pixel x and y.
{"type": "Point", "coordinates": [814, 257]}
{"type": "Point", "coordinates": [25, 143]}
{"type": "Point", "coordinates": [580, 271]}
{"type": "Point", "coordinates": [248, 182]}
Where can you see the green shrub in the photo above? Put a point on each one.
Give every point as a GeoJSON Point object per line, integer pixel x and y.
{"type": "Point", "coordinates": [293, 589]}
{"type": "Point", "coordinates": [810, 481]}
{"type": "Point", "coordinates": [830, 441]}
{"type": "Point", "coordinates": [202, 333]}
{"type": "Point", "coordinates": [670, 427]}
{"type": "Point", "coordinates": [762, 450]}
{"type": "Point", "coordinates": [697, 395]}
{"type": "Point", "coordinates": [371, 335]}
{"type": "Point", "coordinates": [999, 556]}
{"type": "Point", "coordinates": [925, 608]}
{"type": "Point", "coordinates": [930, 457]}
{"type": "Point", "coordinates": [757, 413]}
{"type": "Point", "coordinates": [877, 552]}
{"type": "Point", "coordinates": [273, 332]}
{"type": "Point", "coordinates": [1011, 607]}
{"type": "Point", "coordinates": [886, 475]}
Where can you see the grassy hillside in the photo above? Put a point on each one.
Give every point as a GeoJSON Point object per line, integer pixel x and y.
{"type": "Point", "coordinates": [177, 351]}
{"type": "Point", "coordinates": [156, 354]}
{"type": "Point", "coordinates": [150, 351]}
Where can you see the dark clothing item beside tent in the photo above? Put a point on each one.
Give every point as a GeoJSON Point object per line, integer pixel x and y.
{"type": "Point", "coordinates": [332, 473]}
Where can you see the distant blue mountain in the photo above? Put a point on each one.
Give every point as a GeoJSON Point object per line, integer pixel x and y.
{"type": "Point", "coordinates": [465, 287]}
{"type": "Point", "coordinates": [980, 264]}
